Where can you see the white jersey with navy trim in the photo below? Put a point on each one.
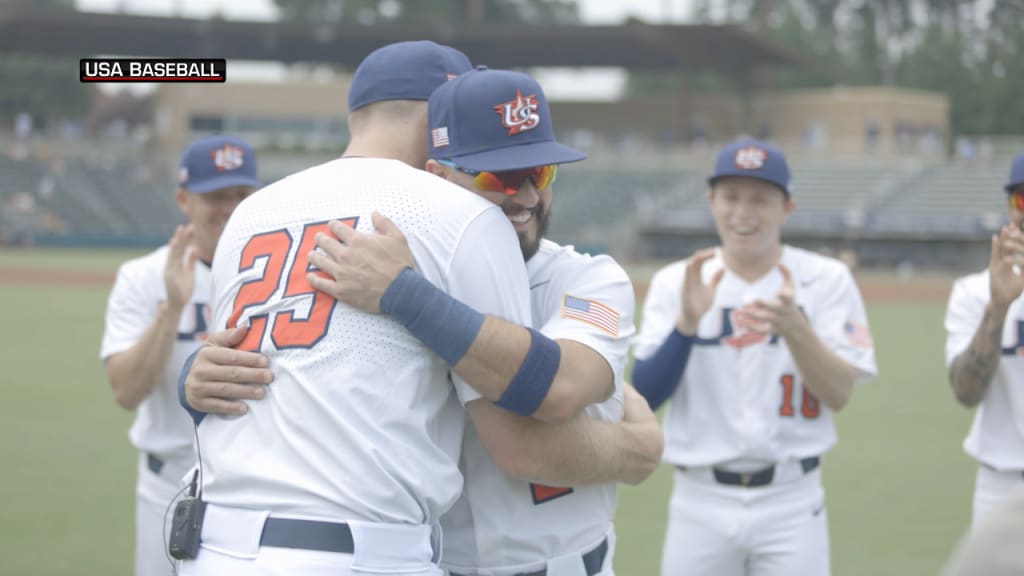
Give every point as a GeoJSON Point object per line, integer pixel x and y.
{"type": "Point", "coordinates": [502, 525]}
{"type": "Point", "coordinates": [997, 433]}
{"type": "Point", "coordinates": [161, 426]}
{"type": "Point", "coordinates": [741, 398]}
{"type": "Point", "coordinates": [361, 422]}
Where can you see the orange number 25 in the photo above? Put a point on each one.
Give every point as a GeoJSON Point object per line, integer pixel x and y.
{"type": "Point", "coordinates": [287, 332]}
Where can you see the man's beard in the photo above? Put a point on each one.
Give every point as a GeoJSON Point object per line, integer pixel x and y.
{"type": "Point", "coordinates": [530, 248]}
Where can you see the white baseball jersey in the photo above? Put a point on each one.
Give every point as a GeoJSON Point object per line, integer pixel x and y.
{"type": "Point", "coordinates": [503, 525]}
{"type": "Point", "coordinates": [997, 434]}
{"type": "Point", "coordinates": [160, 426]}
{"type": "Point", "coordinates": [741, 398]}
{"type": "Point", "coordinates": [360, 422]}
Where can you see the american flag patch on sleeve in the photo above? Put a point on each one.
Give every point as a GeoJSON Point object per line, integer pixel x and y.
{"type": "Point", "coordinates": [857, 335]}
{"type": "Point", "coordinates": [591, 312]}
{"type": "Point", "coordinates": [439, 136]}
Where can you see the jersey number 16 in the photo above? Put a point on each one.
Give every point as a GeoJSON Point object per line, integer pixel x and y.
{"type": "Point", "coordinates": [809, 406]}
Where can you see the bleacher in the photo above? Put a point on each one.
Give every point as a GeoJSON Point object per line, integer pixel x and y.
{"type": "Point", "coordinates": [946, 199]}
{"type": "Point", "coordinates": [95, 198]}
{"type": "Point", "coordinates": [138, 207]}
{"type": "Point", "coordinates": [589, 206]}
{"type": "Point", "coordinates": [837, 196]}
{"type": "Point", "coordinates": [599, 205]}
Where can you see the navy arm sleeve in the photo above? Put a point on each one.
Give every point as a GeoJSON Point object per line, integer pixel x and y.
{"type": "Point", "coordinates": [196, 415]}
{"type": "Point", "coordinates": [657, 377]}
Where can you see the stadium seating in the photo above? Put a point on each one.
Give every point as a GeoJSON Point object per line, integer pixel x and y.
{"type": "Point", "coordinates": [599, 205]}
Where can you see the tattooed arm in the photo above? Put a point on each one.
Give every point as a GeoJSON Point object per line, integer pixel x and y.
{"type": "Point", "coordinates": [972, 371]}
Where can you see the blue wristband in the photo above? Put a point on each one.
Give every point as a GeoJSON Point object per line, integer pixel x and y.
{"type": "Point", "coordinates": [196, 415]}
{"type": "Point", "coordinates": [656, 378]}
{"type": "Point", "coordinates": [442, 323]}
{"type": "Point", "coordinates": [530, 385]}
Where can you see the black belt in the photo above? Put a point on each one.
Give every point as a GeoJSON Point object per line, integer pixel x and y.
{"type": "Point", "coordinates": [758, 478]}
{"type": "Point", "coordinates": [593, 561]}
{"type": "Point", "coordinates": [307, 535]}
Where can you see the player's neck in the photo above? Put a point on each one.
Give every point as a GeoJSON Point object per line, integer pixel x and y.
{"type": "Point", "coordinates": [752, 267]}
{"type": "Point", "coordinates": [204, 256]}
{"type": "Point", "coordinates": [392, 146]}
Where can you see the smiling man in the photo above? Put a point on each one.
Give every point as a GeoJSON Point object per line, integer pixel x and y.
{"type": "Point", "coordinates": [538, 498]}
{"type": "Point", "coordinates": [756, 343]}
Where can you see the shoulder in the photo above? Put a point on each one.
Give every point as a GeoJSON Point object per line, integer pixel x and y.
{"type": "Point", "coordinates": [146, 264]}
{"type": "Point", "coordinates": [670, 276]}
{"type": "Point", "coordinates": [141, 278]}
{"type": "Point", "coordinates": [976, 280]}
{"type": "Point", "coordinates": [972, 286]}
{"type": "Point", "coordinates": [807, 264]}
{"type": "Point", "coordinates": [822, 274]}
{"type": "Point", "coordinates": [420, 203]}
{"type": "Point", "coordinates": [427, 192]}
{"type": "Point", "coordinates": [554, 260]}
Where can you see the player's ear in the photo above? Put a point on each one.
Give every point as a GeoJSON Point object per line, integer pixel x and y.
{"type": "Point", "coordinates": [437, 169]}
{"type": "Point", "coordinates": [789, 204]}
{"type": "Point", "coordinates": [181, 198]}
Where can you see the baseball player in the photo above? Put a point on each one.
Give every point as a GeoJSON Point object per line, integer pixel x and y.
{"type": "Point", "coordinates": [504, 525]}
{"type": "Point", "coordinates": [992, 546]}
{"type": "Point", "coordinates": [348, 463]}
{"type": "Point", "coordinates": [756, 343]}
{"type": "Point", "coordinates": [157, 314]}
{"type": "Point", "coordinates": [984, 326]}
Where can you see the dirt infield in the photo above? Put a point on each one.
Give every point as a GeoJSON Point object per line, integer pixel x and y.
{"type": "Point", "coordinates": [875, 288]}
{"type": "Point", "coordinates": [44, 277]}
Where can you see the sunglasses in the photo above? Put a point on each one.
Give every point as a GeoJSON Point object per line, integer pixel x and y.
{"type": "Point", "coordinates": [1017, 200]}
{"type": "Point", "coordinates": [508, 182]}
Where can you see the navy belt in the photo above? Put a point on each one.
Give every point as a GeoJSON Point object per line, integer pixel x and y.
{"type": "Point", "coordinates": [592, 562]}
{"type": "Point", "coordinates": [307, 535]}
{"type": "Point", "coordinates": [758, 478]}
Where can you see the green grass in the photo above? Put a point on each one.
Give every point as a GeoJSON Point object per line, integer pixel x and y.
{"type": "Point", "coordinates": [68, 467]}
{"type": "Point", "coordinates": [899, 486]}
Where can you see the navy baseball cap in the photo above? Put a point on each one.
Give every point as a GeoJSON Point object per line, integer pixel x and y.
{"type": "Point", "coordinates": [753, 159]}
{"type": "Point", "coordinates": [1016, 173]}
{"type": "Point", "coordinates": [215, 162]}
{"type": "Point", "coordinates": [494, 120]}
{"type": "Point", "coordinates": [404, 71]}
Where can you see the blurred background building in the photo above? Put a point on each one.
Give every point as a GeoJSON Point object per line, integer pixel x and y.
{"type": "Point", "coordinates": [900, 117]}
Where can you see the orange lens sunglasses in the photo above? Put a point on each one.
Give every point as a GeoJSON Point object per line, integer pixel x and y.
{"type": "Point", "coordinates": [1017, 200]}
{"type": "Point", "coordinates": [508, 182]}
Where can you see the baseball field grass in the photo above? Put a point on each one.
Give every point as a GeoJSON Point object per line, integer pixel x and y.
{"type": "Point", "coordinates": [899, 485]}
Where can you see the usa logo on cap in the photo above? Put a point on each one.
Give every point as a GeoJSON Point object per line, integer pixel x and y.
{"type": "Point", "coordinates": [228, 157]}
{"type": "Point", "coordinates": [750, 158]}
{"type": "Point", "coordinates": [519, 114]}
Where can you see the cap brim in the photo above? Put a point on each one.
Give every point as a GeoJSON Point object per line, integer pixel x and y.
{"type": "Point", "coordinates": [520, 157]}
{"type": "Point", "coordinates": [223, 181]}
{"type": "Point", "coordinates": [1009, 187]}
{"type": "Point", "coordinates": [716, 178]}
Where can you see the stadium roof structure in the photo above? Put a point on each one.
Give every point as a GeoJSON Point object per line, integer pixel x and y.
{"type": "Point", "coordinates": [635, 45]}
